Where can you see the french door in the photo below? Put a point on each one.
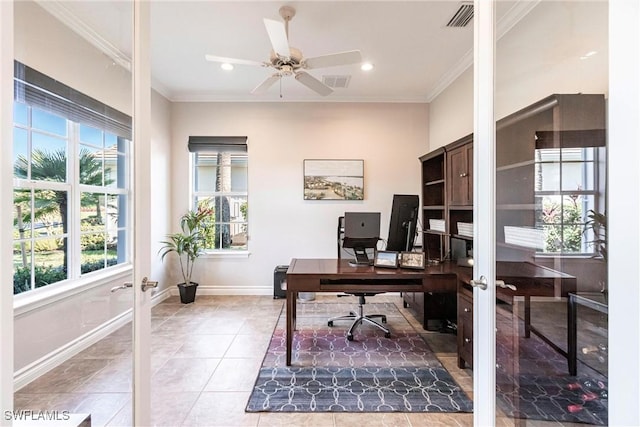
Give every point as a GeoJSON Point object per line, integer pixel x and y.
{"type": "Point", "coordinates": [52, 39]}
{"type": "Point", "coordinates": [540, 195]}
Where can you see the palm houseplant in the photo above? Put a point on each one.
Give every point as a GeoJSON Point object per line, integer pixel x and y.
{"type": "Point", "coordinates": [189, 244]}
{"type": "Point", "coordinates": [597, 226]}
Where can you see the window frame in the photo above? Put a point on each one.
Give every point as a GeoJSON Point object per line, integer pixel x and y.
{"type": "Point", "coordinates": [197, 194]}
{"type": "Point", "coordinates": [117, 127]}
{"type": "Point", "coordinates": [597, 164]}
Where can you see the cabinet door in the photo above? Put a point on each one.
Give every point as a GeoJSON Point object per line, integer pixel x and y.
{"type": "Point", "coordinates": [459, 175]}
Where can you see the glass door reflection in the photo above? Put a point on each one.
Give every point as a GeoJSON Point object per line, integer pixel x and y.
{"type": "Point", "coordinates": [551, 89]}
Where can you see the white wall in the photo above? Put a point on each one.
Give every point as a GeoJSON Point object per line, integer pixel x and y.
{"type": "Point", "coordinates": [160, 186]}
{"type": "Point", "coordinates": [532, 64]}
{"type": "Point", "coordinates": [388, 137]}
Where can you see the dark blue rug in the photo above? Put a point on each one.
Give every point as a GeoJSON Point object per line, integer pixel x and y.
{"type": "Point", "coordinates": [369, 374]}
{"type": "Point", "coordinates": [357, 390]}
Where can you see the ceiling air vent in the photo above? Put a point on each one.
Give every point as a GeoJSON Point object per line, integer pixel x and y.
{"type": "Point", "coordinates": [462, 17]}
{"type": "Point", "coordinates": [336, 81]}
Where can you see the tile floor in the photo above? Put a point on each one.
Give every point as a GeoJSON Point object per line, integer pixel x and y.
{"type": "Point", "coordinates": [205, 358]}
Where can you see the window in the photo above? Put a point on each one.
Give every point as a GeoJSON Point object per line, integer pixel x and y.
{"type": "Point", "coordinates": [70, 184]}
{"type": "Point", "coordinates": [566, 190]}
{"type": "Point", "coordinates": [220, 176]}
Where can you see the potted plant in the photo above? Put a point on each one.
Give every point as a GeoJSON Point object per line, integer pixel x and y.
{"type": "Point", "coordinates": [597, 224]}
{"type": "Point", "coordinates": [189, 244]}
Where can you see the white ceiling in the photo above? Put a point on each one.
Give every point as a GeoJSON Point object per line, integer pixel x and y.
{"type": "Point", "coordinates": [414, 53]}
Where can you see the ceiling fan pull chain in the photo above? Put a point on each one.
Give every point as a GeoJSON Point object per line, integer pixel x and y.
{"type": "Point", "coordinates": [280, 88]}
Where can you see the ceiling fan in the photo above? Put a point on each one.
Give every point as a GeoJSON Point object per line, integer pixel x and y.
{"type": "Point", "coordinates": [289, 61]}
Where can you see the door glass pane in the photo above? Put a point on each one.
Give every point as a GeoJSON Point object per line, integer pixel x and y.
{"type": "Point", "coordinates": [72, 88]}
{"type": "Point", "coordinates": [551, 337]}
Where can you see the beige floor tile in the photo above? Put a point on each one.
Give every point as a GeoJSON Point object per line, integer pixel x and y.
{"type": "Point", "coordinates": [221, 409]}
{"type": "Point", "coordinates": [289, 419]}
{"type": "Point", "coordinates": [66, 377]}
{"type": "Point", "coordinates": [234, 375]}
{"type": "Point", "coordinates": [249, 346]}
{"type": "Point", "coordinates": [212, 346]}
{"type": "Point", "coordinates": [184, 374]}
{"type": "Point", "coordinates": [440, 420]}
{"type": "Point", "coordinates": [393, 419]}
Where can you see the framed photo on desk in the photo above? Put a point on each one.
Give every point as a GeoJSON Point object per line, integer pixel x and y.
{"type": "Point", "coordinates": [387, 259]}
{"type": "Point", "coordinates": [412, 260]}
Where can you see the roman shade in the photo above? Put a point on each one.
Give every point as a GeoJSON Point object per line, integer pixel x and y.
{"type": "Point", "coordinates": [234, 144]}
{"type": "Point", "coordinates": [38, 90]}
{"type": "Point", "coordinates": [571, 138]}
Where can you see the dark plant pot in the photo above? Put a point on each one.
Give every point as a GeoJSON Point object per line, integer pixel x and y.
{"type": "Point", "coordinates": [187, 293]}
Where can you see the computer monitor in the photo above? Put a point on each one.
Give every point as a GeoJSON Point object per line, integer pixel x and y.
{"type": "Point", "coordinates": [361, 232]}
{"type": "Point", "coordinates": [404, 219]}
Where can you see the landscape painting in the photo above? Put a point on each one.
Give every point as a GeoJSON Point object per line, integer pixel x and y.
{"type": "Point", "coordinates": [334, 180]}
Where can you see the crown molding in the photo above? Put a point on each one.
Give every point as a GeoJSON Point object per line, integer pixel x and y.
{"type": "Point", "coordinates": [60, 12]}
{"type": "Point", "coordinates": [514, 15]}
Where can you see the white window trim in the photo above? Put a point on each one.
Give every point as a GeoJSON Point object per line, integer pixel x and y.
{"type": "Point", "coordinates": [46, 295]}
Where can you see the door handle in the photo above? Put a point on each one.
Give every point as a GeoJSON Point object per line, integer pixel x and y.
{"type": "Point", "coordinates": [480, 283]}
{"type": "Point", "coordinates": [125, 285]}
{"type": "Point", "coordinates": [146, 284]}
{"type": "Point", "coordinates": [501, 284]}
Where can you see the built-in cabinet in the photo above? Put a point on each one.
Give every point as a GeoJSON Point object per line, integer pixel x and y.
{"type": "Point", "coordinates": [447, 198]}
{"type": "Point", "coordinates": [460, 172]}
{"type": "Point", "coordinates": [558, 121]}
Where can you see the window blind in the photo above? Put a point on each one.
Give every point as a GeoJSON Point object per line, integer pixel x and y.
{"type": "Point", "coordinates": [38, 90]}
{"type": "Point", "coordinates": [234, 144]}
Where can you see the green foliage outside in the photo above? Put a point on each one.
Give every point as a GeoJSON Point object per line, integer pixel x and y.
{"type": "Point", "coordinates": [52, 253]}
{"type": "Point", "coordinates": [563, 225]}
{"type": "Point", "coordinates": [48, 274]}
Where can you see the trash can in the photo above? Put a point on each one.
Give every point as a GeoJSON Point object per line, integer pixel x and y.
{"type": "Point", "coordinates": [280, 281]}
{"type": "Point", "coordinates": [306, 296]}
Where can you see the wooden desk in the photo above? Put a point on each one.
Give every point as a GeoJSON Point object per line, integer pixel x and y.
{"type": "Point", "coordinates": [530, 280]}
{"type": "Point", "coordinates": [334, 275]}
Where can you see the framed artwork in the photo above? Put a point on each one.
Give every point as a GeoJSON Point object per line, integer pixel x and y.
{"type": "Point", "coordinates": [412, 260]}
{"type": "Point", "coordinates": [333, 179]}
{"type": "Point", "coordinates": [388, 259]}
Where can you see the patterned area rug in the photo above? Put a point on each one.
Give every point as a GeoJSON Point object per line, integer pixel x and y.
{"type": "Point", "coordinates": [537, 385]}
{"type": "Point", "coordinates": [369, 374]}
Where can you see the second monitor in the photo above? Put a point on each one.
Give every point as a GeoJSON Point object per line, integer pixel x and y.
{"type": "Point", "coordinates": [361, 232]}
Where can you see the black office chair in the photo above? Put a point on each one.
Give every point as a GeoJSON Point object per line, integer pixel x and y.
{"type": "Point", "coordinates": [359, 317]}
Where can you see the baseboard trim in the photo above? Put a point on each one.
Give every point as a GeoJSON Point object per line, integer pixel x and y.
{"type": "Point", "coordinates": [228, 290]}
{"type": "Point", "coordinates": [55, 358]}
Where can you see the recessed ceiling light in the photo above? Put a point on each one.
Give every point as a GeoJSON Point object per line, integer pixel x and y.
{"type": "Point", "coordinates": [226, 66]}
{"type": "Point", "coordinates": [366, 66]}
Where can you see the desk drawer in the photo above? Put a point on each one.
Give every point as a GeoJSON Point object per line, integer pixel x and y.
{"type": "Point", "coordinates": [465, 330]}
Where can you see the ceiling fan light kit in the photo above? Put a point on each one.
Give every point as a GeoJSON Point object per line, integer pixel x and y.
{"type": "Point", "coordinates": [288, 61]}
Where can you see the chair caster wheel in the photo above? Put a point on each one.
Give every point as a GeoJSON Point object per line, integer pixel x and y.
{"type": "Point", "coordinates": [384, 319]}
{"type": "Point", "coordinates": [387, 335]}
{"type": "Point", "coordinates": [350, 337]}
{"type": "Point", "coordinates": [330, 323]}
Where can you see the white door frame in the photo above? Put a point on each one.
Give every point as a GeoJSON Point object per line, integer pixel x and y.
{"type": "Point", "coordinates": [142, 209]}
{"type": "Point", "coordinates": [484, 338]}
{"type": "Point", "coordinates": [623, 211]}
{"type": "Point", "coordinates": [6, 209]}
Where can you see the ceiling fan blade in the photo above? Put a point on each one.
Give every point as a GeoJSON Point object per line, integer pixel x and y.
{"type": "Point", "coordinates": [278, 36]}
{"type": "Point", "coordinates": [266, 84]}
{"type": "Point", "coordinates": [312, 83]}
{"type": "Point", "coordinates": [333, 60]}
{"type": "Point", "coordinates": [223, 59]}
